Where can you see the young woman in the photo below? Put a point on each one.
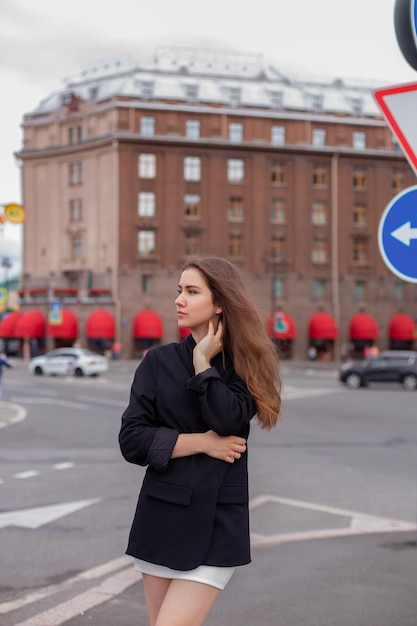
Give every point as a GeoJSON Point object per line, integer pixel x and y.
{"type": "Point", "coordinates": [188, 420]}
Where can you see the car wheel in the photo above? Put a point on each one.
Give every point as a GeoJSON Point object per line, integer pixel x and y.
{"type": "Point", "coordinates": [38, 371]}
{"type": "Point", "coordinates": [409, 382]}
{"type": "Point", "coordinates": [353, 381]}
{"type": "Point", "coordinates": [78, 372]}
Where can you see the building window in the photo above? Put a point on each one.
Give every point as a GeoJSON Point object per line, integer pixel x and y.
{"type": "Point", "coordinates": [398, 180]}
{"type": "Point", "coordinates": [319, 137]}
{"type": "Point", "coordinates": [235, 96]}
{"type": "Point", "coordinates": [319, 214]}
{"type": "Point", "coordinates": [277, 287]}
{"type": "Point", "coordinates": [235, 210]}
{"type": "Point", "coordinates": [146, 283]}
{"type": "Point", "coordinates": [147, 126]}
{"type": "Point", "coordinates": [277, 100]}
{"type": "Point", "coordinates": [235, 246]}
{"type": "Point", "coordinates": [319, 289]}
{"type": "Point", "coordinates": [278, 211]}
{"type": "Point", "coordinates": [319, 251]}
{"type": "Point", "coordinates": [79, 134]}
{"type": "Point", "coordinates": [191, 205]}
{"type": "Point", "coordinates": [279, 173]}
{"type": "Point", "coordinates": [146, 242]}
{"type": "Point", "coordinates": [399, 291]}
{"type": "Point", "coordinates": [192, 129]}
{"type": "Point", "coordinates": [77, 247]}
{"type": "Point", "coordinates": [235, 170]}
{"type": "Point", "coordinates": [147, 166]}
{"type": "Point", "coordinates": [235, 132]}
{"type": "Point", "coordinates": [278, 135]}
{"type": "Point", "coordinates": [359, 140]}
{"type": "Point", "coordinates": [192, 244]}
{"type": "Point", "coordinates": [360, 251]}
{"type": "Point", "coordinates": [319, 176]}
{"type": "Point", "coordinates": [76, 173]}
{"type": "Point", "coordinates": [317, 102]}
{"type": "Point", "coordinates": [357, 106]}
{"type": "Point", "coordinates": [76, 210]}
{"type": "Point", "coordinates": [360, 216]}
{"type": "Point", "coordinates": [146, 204]}
{"type": "Point", "coordinates": [278, 250]}
{"type": "Point", "coordinates": [147, 89]}
{"type": "Point", "coordinates": [192, 168]}
{"type": "Point", "coordinates": [71, 136]}
{"type": "Point", "coordinates": [191, 93]}
{"type": "Point", "coordinates": [360, 290]}
{"type": "Point", "coordinates": [360, 179]}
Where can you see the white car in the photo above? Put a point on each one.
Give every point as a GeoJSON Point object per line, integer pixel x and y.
{"type": "Point", "coordinates": [69, 361]}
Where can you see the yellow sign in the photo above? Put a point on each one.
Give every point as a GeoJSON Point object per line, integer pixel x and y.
{"type": "Point", "coordinates": [14, 213]}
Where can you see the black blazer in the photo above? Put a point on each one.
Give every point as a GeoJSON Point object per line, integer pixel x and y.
{"type": "Point", "coordinates": [191, 510]}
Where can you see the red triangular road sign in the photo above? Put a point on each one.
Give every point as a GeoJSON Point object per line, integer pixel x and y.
{"type": "Point", "coordinates": [399, 107]}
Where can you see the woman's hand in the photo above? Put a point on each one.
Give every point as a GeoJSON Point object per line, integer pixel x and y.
{"type": "Point", "coordinates": [207, 348]}
{"type": "Point", "coordinates": [227, 449]}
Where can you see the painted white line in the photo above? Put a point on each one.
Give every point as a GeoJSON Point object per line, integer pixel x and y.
{"type": "Point", "coordinates": [62, 466]}
{"type": "Point", "coordinates": [55, 402]}
{"type": "Point", "coordinates": [264, 499]}
{"type": "Point", "coordinates": [80, 604]}
{"type": "Point", "coordinates": [91, 574]}
{"type": "Point", "coordinates": [11, 414]}
{"type": "Point", "coordinates": [290, 392]}
{"type": "Point", "coordinates": [271, 540]}
{"type": "Point", "coordinates": [27, 474]}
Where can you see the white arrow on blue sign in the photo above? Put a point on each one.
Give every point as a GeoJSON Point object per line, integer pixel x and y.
{"type": "Point", "coordinates": [397, 235]}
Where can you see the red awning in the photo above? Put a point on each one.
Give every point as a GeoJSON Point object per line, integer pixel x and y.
{"type": "Point", "coordinates": [363, 327]}
{"type": "Point", "coordinates": [8, 324]}
{"type": "Point", "coordinates": [322, 326]}
{"type": "Point", "coordinates": [100, 325]}
{"type": "Point", "coordinates": [32, 324]}
{"type": "Point", "coordinates": [280, 325]}
{"type": "Point", "coordinates": [148, 325]}
{"type": "Point", "coordinates": [402, 328]}
{"type": "Point", "coordinates": [184, 332]}
{"type": "Point", "coordinates": [67, 330]}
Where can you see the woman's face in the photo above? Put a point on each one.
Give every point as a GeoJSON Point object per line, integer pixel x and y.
{"type": "Point", "coordinates": [195, 306]}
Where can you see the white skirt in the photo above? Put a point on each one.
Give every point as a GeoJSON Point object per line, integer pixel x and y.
{"type": "Point", "coordinates": [210, 575]}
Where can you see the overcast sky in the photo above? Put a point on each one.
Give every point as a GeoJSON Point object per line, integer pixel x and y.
{"type": "Point", "coordinates": [44, 41]}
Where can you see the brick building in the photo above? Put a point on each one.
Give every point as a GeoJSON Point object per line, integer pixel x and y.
{"type": "Point", "coordinates": [132, 167]}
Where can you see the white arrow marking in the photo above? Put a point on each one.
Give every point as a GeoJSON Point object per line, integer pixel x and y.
{"type": "Point", "coordinates": [405, 233]}
{"type": "Point", "coordinates": [42, 515]}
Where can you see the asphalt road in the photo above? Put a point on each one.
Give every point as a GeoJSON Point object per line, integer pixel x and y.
{"type": "Point", "coordinates": [333, 506]}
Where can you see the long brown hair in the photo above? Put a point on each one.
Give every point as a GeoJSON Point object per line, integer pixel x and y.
{"type": "Point", "coordinates": [244, 336]}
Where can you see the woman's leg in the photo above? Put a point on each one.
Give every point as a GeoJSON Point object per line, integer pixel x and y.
{"type": "Point", "coordinates": [186, 603]}
{"type": "Point", "coordinates": [155, 590]}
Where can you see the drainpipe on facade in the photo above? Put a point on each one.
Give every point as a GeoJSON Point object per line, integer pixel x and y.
{"type": "Point", "coordinates": [334, 250]}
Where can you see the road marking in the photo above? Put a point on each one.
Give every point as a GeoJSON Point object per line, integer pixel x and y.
{"type": "Point", "coordinates": [91, 574]}
{"type": "Point", "coordinates": [54, 401]}
{"type": "Point", "coordinates": [354, 515]}
{"type": "Point", "coordinates": [27, 474]}
{"type": "Point", "coordinates": [42, 515]}
{"type": "Point", "coordinates": [290, 392]}
{"type": "Point", "coordinates": [113, 586]}
{"type": "Point", "coordinates": [11, 414]}
{"type": "Point", "coordinates": [63, 466]}
{"type": "Point", "coordinates": [95, 400]}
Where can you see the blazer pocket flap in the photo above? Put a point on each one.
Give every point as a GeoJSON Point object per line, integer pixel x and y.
{"type": "Point", "coordinates": [169, 492]}
{"type": "Point", "coordinates": [232, 494]}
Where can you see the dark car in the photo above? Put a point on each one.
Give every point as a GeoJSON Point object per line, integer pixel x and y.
{"type": "Point", "coordinates": [391, 366]}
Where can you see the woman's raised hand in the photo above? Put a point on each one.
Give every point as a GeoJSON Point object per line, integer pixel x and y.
{"type": "Point", "coordinates": [227, 449]}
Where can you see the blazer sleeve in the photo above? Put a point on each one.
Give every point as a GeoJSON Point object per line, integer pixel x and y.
{"type": "Point", "coordinates": [142, 439]}
{"type": "Point", "coordinates": [226, 408]}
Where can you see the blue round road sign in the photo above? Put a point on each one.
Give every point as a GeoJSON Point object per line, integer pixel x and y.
{"type": "Point", "coordinates": [397, 235]}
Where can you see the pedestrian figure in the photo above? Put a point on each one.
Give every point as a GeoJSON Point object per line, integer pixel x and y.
{"type": "Point", "coordinates": [188, 421]}
{"type": "Point", "coordinates": [4, 362]}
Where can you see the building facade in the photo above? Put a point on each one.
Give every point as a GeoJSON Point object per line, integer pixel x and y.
{"type": "Point", "coordinates": [131, 168]}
